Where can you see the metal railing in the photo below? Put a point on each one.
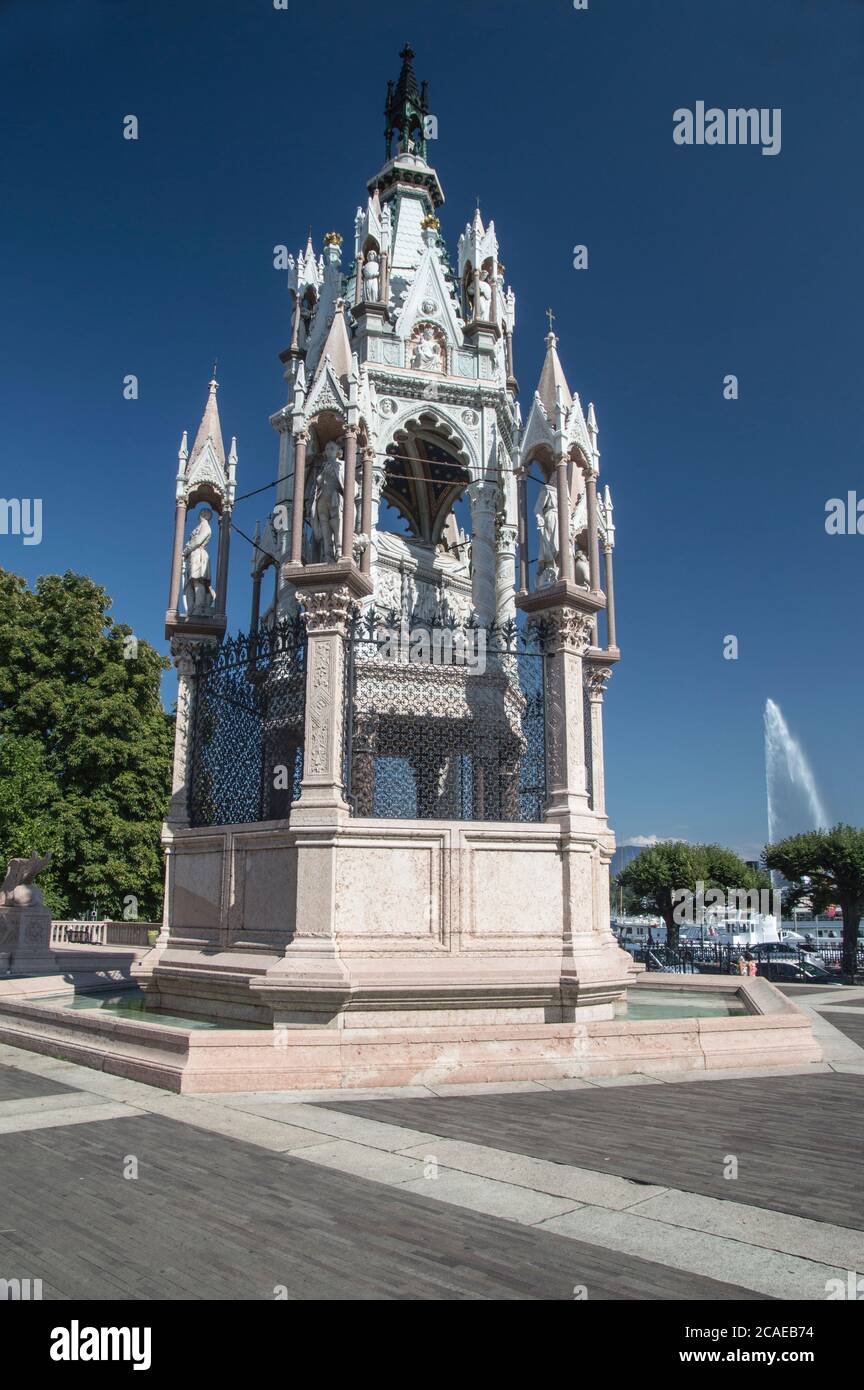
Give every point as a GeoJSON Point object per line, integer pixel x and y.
{"type": "Point", "coordinates": [777, 962]}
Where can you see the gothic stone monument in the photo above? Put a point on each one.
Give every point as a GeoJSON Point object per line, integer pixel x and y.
{"type": "Point", "coordinates": [388, 836]}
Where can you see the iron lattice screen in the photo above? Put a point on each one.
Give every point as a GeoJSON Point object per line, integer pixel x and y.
{"type": "Point", "coordinates": [445, 724]}
{"type": "Point", "coordinates": [247, 729]}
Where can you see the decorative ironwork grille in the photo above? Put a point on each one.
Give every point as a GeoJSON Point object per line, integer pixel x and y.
{"type": "Point", "coordinates": [445, 723]}
{"type": "Point", "coordinates": [247, 730]}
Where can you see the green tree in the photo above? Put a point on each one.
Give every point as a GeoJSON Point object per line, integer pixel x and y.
{"type": "Point", "coordinates": [663, 871]}
{"type": "Point", "coordinates": [833, 860]}
{"type": "Point", "coordinates": [85, 745]}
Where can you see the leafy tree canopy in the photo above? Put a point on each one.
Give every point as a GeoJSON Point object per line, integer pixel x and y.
{"type": "Point", "coordinates": [833, 861]}
{"type": "Point", "coordinates": [663, 870]}
{"type": "Point", "coordinates": [85, 745]}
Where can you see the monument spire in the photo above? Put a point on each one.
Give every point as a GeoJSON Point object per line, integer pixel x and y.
{"type": "Point", "coordinates": [552, 376]}
{"type": "Point", "coordinates": [210, 427]}
{"type": "Point", "coordinates": [405, 110]}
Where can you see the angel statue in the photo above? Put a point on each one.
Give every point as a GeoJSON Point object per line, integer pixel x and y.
{"type": "Point", "coordinates": [325, 508]}
{"type": "Point", "coordinates": [20, 873]}
{"type": "Point", "coordinates": [200, 597]}
{"type": "Point", "coordinates": [546, 517]}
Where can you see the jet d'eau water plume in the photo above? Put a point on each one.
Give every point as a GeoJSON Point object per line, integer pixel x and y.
{"type": "Point", "coordinates": [794, 804]}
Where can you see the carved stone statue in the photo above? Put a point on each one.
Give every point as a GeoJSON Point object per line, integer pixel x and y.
{"type": "Point", "coordinates": [546, 517]}
{"type": "Point", "coordinates": [200, 596]}
{"type": "Point", "coordinates": [20, 873]}
{"type": "Point", "coordinates": [484, 299]}
{"type": "Point", "coordinates": [482, 309]}
{"type": "Point", "coordinates": [325, 511]}
{"type": "Point", "coordinates": [25, 922]}
{"type": "Point", "coordinates": [581, 568]}
{"type": "Point", "coordinates": [372, 278]}
{"type": "Point", "coordinates": [427, 356]}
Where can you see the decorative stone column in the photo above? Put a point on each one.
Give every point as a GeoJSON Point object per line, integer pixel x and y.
{"type": "Point", "coordinates": [484, 504]}
{"type": "Point", "coordinates": [371, 489]}
{"type": "Point", "coordinates": [570, 637]}
{"type": "Point", "coordinates": [177, 554]}
{"type": "Point", "coordinates": [611, 634]}
{"type": "Point", "coordinates": [222, 560]}
{"type": "Point", "coordinates": [505, 574]}
{"type": "Point", "coordinates": [593, 535]}
{"type": "Point", "coordinates": [184, 651]}
{"type": "Point", "coordinates": [349, 502]}
{"type": "Point", "coordinates": [309, 984]}
{"type": "Point", "coordinates": [327, 612]}
{"type": "Point", "coordinates": [299, 490]}
{"type": "Point", "coordinates": [596, 675]}
{"type": "Point", "coordinates": [565, 554]}
{"type": "Point", "coordinates": [522, 511]}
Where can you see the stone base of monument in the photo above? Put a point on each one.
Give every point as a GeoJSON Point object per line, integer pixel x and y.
{"type": "Point", "coordinates": [370, 923]}
{"type": "Point", "coordinates": [25, 934]}
{"type": "Point", "coordinates": [773, 1033]}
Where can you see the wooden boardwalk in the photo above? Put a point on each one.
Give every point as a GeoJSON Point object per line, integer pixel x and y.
{"type": "Point", "coordinates": [214, 1218]}
{"type": "Point", "coordinates": [21, 1085]}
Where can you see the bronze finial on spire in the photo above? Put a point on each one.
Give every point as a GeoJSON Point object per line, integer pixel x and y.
{"type": "Point", "coordinates": [405, 110]}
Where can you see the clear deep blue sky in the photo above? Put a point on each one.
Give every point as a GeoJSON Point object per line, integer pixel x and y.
{"type": "Point", "coordinates": [154, 257]}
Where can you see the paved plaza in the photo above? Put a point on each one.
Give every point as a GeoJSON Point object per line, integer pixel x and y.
{"type": "Point", "coordinates": [636, 1187]}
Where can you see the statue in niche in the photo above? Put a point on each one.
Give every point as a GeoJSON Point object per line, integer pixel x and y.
{"type": "Point", "coordinates": [581, 568]}
{"type": "Point", "coordinates": [198, 592]}
{"type": "Point", "coordinates": [546, 517]}
{"type": "Point", "coordinates": [372, 279]}
{"type": "Point", "coordinates": [482, 309]}
{"type": "Point", "coordinates": [325, 507]}
{"type": "Point", "coordinates": [443, 607]}
{"type": "Point", "coordinates": [427, 355]}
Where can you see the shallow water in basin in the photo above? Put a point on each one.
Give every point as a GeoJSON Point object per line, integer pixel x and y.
{"type": "Point", "coordinates": [680, 1003]}
{"type": "Point", "coordinates": [132, 1004]}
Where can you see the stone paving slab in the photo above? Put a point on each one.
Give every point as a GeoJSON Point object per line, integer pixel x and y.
{"type": "Point", "coordinates": [479, 1194]}
{"type": "Point", "coordinates": [69, 1115]}
{"type": "Point", "coordinates": [792, 1235]}
{"type": "Point", "coordinates": [695, 1253]}
{"type": "Point", "coordinates": [579, 1185]}
{"type": "Point", "coordinates": [38, 1105]}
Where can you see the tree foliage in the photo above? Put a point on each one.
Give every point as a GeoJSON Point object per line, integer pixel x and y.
{"type": "Point", "coordinates": [663, 870]}
{"type": "Point", "coordinates": [833, 861]}
{"type": "Point", "coordinates": [85, 745]}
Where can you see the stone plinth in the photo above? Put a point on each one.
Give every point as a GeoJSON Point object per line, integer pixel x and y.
{"type": "Point", "coordinates": [344, 921]}
{"type": "Point", "coordinates": [25, 933]}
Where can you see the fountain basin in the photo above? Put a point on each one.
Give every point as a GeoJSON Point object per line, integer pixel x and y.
{"type": "Point", "coordinates": [759, 1027]}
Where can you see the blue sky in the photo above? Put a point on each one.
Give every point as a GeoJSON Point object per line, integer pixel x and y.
{"type": "Point", "coordinates": [153, 257]}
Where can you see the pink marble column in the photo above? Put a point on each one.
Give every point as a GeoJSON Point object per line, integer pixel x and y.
{"type": "Point", "coordinates": [177, 556]}
{"type": "Point", "coordinates": [348, 508]}
{"type": "Point", "coordinates": [298, 495]}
